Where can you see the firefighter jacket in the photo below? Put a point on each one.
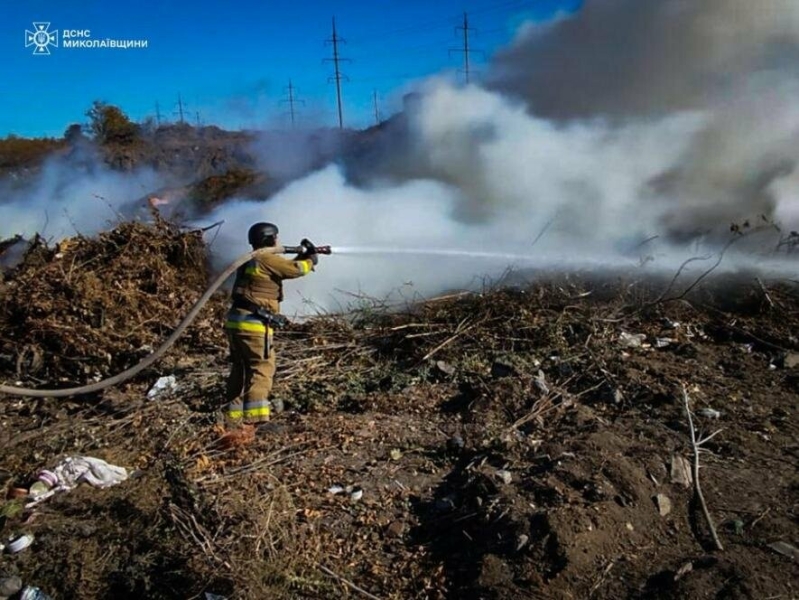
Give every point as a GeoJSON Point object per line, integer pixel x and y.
{"type": "Point", "coordinates": [259, 282]}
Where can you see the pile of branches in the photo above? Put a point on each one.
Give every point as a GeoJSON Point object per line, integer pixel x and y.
{"type": "Point", "coordinates": [90, 307]}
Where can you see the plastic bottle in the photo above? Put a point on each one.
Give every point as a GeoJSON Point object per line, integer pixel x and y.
{"type": "Point", "coordinates": [39, 488]}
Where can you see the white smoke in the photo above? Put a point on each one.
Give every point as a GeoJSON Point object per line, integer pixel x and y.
{"type": "Point", "coordinates": [493, 177]}
{"type": "Point", "coordinates": [72, 195]}
{"type": "Point", "coordinates": [627, 121]}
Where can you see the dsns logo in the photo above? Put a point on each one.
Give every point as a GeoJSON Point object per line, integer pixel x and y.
{"type": "Point", "coordinates": [41, 38]}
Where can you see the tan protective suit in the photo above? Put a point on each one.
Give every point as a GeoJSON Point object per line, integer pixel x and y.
{"type": "Point", "coordinates": [258, 287]}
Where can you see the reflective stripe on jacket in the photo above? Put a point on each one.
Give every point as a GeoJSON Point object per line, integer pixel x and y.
{"type": "Point", "coordinates": [239, 320]}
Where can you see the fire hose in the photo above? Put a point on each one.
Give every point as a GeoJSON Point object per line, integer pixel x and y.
{"type": "Point", "coordinates": [158, 353]}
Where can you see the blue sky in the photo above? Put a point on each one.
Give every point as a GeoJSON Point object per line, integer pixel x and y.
{"type": "Point", "coordinates": [231, 61]}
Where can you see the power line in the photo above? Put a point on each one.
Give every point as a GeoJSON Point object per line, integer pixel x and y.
{"type": "Point", "coordinates": [437, 23]}
{"type": "Point", "coordinates": [335, 40]}
{"type": "Point", "coordinates": [415, 49]}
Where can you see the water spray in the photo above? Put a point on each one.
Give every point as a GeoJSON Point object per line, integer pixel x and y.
{"type": "Point", "coordinates": [376, 251]}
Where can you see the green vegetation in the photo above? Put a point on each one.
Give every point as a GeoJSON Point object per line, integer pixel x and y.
{"type": "Point", "coordinates": [21, 152]}
{"type": "Point", "coordinates": [110, 125]}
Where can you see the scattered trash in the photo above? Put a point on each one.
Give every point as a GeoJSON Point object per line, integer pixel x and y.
{"type": "Point", "coordinates": [33, 593]}
{"type": "Point", "coordinates": [631, 340]}
{"type": "Point", "coordinates": [618, 396]}
{"type": "Point", "coordinates": [94, 471]}
{"type": "Point", "coordinates": [681, 471]}
{"type": "Point", "coordinates": [16, 493]}
{"type": "Point", "coordinates": [10, 586]}
{"type": "Point", "coordinates": [630, 527]}
{"type": "Point", "coordinates": [70, 472]}
{"type": "Point", "coordinates": [395, 454]}
{"type": "Point", "coordinates": [663, 342]}
{"type": "Point", "coordinates": [445, 368]}
{"type": "Point", "coordinates": [210, 596]}
{"type": "Point", "coordinates": [664, 504]}
{"type": "Point", "coordinates": [19, 544]}
{"type": "Point", "coordinates": [785, 549]}
{"type": "Point", "coordinates": [355, 492]}
{"type": "Point", "coordinates": [38, 489]}
{"type": "Point", "coordinates": [747, 348]}
{"type": "Point", "coordinates": [669, 324]}
{"type": "Point", "coordinates": [505, 476]}
{"type": "Point", "coordinates": [686, 568]}
{"type": "Point", "coordinates": [709, 413]}
{"type": "Point", "coordinates": [791, 360]}
{"type": "Point", "coordinates": [521, 541]}
{"type": "Point", "coordinates": [48, 477]}
{"type": "Point", "coordinates": [540, 383]}
{"type": "Point", "coordinates": [164, 385]}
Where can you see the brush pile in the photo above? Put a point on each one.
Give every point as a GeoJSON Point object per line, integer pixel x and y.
{"type": "Point", "coordinates": [91, 307]}
{"type": "Point", "coordinates": [515, 443]}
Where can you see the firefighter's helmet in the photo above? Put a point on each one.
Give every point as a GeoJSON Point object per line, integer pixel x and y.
{"type": "Point", "coordinates": [262, 235]}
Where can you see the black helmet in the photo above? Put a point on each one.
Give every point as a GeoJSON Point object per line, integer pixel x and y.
{"type": "Point", "coordinates": [262, 235]}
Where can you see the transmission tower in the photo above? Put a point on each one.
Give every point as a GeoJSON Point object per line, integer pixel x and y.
{"type": "Point", "coordinates": [157, 114]}
{"type": "Point", "coordinates": [335, 41]}
{"type": "Point", "coordinates": [465, 50]}
{"type": "Point", "coordinates": [180, 109]}
{"type": "Point", "coordinates": [291, 100]}
{"type": "Point", "coordinates": [377, 110]}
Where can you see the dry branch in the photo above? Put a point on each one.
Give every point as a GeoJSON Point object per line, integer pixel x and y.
{"type": "Point", "coordinates": [696, 445]}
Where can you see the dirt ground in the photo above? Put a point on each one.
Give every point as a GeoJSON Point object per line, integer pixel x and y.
{"type": "Point", "coordinates": [515, 443]}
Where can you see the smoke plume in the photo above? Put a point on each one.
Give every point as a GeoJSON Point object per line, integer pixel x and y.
{"type": "Point", "coordinates": [629, 131]}
{"type": "Point", "coordinates": [74, 194]}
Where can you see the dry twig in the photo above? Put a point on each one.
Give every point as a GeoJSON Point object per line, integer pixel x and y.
{"type": "Point", "coordinates": [346, 582]}
{"type": "Point", "coordinates": [696, 445]}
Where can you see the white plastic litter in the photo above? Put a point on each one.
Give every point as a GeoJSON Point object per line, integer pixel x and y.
{"type": "Point", "coordinates": [19, 544]}
{"type": "Point", "coordinates": [632, 340]}
{"type": "Point", "coordinates": [94, 471]}
{"type": "Point", "coordinates": [164, 385]}
{"type": "Point", "coordinates": [73, 470]}
{"type": "Point", "coordinates": [709, 413]}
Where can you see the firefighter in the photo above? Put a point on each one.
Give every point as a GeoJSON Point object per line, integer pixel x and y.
{"type": "Point", "coordinates": [251, 320]}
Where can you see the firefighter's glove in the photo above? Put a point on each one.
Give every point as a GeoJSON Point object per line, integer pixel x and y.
{"type": "Point", "coordinates": [309, 251]}
{"type": "Point", "coordinates": [308, 246]}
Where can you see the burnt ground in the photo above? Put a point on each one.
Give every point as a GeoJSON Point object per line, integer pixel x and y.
{"type": "Point", "coordinates": [509, 444]}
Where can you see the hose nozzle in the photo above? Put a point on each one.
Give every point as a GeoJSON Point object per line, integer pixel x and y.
{"type": "Point", "coordinates": [302, 249]}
